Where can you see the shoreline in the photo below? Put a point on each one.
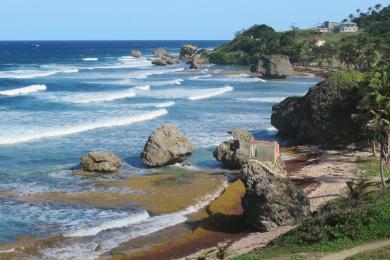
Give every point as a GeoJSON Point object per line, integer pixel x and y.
{"type": "Point", "coordinates": [321, 174]}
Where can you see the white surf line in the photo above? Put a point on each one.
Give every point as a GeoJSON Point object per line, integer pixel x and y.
{"type": "Point", "coordinates": [84, 128]}
{"type": "Point", "coordinates": [24, 90]}
{"type": "Point", "coordinates": [211, 93]}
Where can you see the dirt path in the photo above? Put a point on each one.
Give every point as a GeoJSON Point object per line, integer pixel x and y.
{"type": "Point", "coordinates": [357, 250]}
{"type": "Point", "coordinates": [328, 169]}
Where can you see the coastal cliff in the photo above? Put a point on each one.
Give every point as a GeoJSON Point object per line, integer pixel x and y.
{"type": "Point", "coordinates": [324, 114]}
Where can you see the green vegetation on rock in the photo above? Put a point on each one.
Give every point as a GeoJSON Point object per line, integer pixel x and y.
{"type": "Point", "coordinates": [343, 224]}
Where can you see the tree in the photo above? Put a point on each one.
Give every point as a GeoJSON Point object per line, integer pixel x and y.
{"type": "Point", "coordinates": [351, 16]}
{"type": "Point", "coordinates": [378, 7]}
{"type": "Point", "coordinates": [358, 11]}
{"type": "Point", "coordinates": [359, 53]}
{"type": "Point", "coordinates": [375, 108]}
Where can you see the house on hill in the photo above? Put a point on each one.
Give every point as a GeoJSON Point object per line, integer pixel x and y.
{"type": "Point", "coordinates": [348, 27]}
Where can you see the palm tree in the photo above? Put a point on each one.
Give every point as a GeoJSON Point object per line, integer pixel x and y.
{"type": "Point", "coordinates": [351, 16]}
{"type": "Point", "coordinates": [358, 12]}
{"type": "Point", "coordinates": [375, 106]}
{"type": "Point", "coordinates": [370, 10]}
{"type": "Point", "coordinates": [378, 7]}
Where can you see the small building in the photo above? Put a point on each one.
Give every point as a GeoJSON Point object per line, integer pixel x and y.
{"type": "Point", "coordinates": [332, 26]}
{"type": "Point", "coordinates": [322, 29]}
{"type": "Point", "coordinates": [348, 27]}
{"type": "Point", "coordinates": [265, 151]}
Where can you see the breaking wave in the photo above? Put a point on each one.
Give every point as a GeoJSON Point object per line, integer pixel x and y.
{"type": "Point", "coordinates": [30, 74]}
{"type": "Point", "coordinates": [87, 127]}
{"type": "Point", "coordinates": [211, 93]}
{"type": "Point", "coordinates": [100, 97]}
{"type": "Point", "coordinates": [24, 90]}
{"type": "Point", "coordinates": [90, 59]}
{"type": "Point", "coordinates": [118, 223]}
{"type": "Point", "coordinates": [263, 99]}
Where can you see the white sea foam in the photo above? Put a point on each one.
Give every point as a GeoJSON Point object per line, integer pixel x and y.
{"type": "Point", "coordinates": [100, 97]}
{"type": "Point", "coordinates": [90, 59]}
{"type": "Point", "coordinates": [111, 238]}
{"type": "Point", "coordinates": [238, 78]}
{"type": "Point", "coordinates": [201, 77]}
{"type": "Point", "coordinates": [262, 99]}
{"type": "Point", "coordinates": [86, 127]}
{"type": "Point", "coordinates": [167, 82]}
{"type": "Point", "coordinates": [29, 74]}
{"type": "Point", "coordinates": [207, 93]}
{"type": "Point", "coordinates": [157, 105]}
{"type": "Point", "coordinates": [7, 251]}
{"type": "Point", "coordinates": [23, 91]}
{"type": "Point", "coordinates": [118, 223]}
{"type": "Point", "coordinates": [144, 88]}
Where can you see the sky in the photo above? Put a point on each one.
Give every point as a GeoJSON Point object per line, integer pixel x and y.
{"type": "Point", "coordinates": [162, 19]}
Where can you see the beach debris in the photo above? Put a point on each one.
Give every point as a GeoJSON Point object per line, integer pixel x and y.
{"type": "Point", "coordinates": [166, 146]}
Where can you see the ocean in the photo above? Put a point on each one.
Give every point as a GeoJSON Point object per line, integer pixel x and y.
{"type": "Point", "coordinates": [60, 100]}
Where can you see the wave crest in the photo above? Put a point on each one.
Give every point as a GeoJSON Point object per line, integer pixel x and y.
{"type": "Point", "coordinates": [24, 90]}
{"type": "Point", "coordinates": [211, 93]}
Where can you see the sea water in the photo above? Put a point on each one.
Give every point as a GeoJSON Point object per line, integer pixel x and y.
{"type": "Point", "coordinates": [60, 100]}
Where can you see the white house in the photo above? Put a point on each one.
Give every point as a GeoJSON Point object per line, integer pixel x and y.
{"type": "Point", "coordinates": [348, 27]}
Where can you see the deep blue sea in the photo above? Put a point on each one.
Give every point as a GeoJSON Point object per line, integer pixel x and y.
{"type": "Point", "coordinates": [59, 100]}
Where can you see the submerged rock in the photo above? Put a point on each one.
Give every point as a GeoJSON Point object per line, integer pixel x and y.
{"type": "Point", "coordinates": [270, 199]}
{"type": "Point", "coordinates": [233, 154]}
{"type": "Point", "coordinates": [100, 162]}
{"type": "Point", "coordinates": [165, 146]}
{"type": "Point", "coordinates": [136, 54]}
{"type": "Point", "coordinates": [322, 116]}
{"type": "Point", "coordinates": [273, 66]}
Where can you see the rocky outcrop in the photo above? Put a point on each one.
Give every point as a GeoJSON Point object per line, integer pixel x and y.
{"type": "Point", "coordinates": [233, 154]}
{"type": "Point", "coordinates": [163, 58]}
{"type": "Point", "coordinates": [136, 54]}
{"type": "Point", "coordinates": [273, 66]}
{"type": "Point", "coordinates": [322, 116]}
{"type": "Point", "coordinates": [165, 146]}
{"type": "Point", "coordinates": [188, 51]}
{"type": "Point", "coordinates": [270, 200]}
{"type": "Point", "coordinates": [100, 162]}
{"type": "Point", "coordinates": [201, 57]}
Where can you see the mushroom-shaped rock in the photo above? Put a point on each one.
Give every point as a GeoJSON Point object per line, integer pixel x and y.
{"type": "Point", "coordinates": [100, 162]}
{"type": "Point", "coordinates": [165, 146]}
{"type": "Point", "coordinates": [233, 154]}
{"type": "Point", "coordinates": [273, 66]}
{"type": "Point", "coordinates": [270, 199]}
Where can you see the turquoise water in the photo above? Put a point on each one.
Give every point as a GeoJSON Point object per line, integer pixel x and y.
{"type": "Point", "coordinates": [59, 100]}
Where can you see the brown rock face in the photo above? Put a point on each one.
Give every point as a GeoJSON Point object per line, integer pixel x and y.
{"type": "Point", "coordinates": [101, 162]}
{"type": "Point", "coordinates": [270, 199]}
{"type": "Point", "coordinates": [273, 66]}
{"type": "Point", "coordinates": [165, 146]}
{"type": "Point", "coordinates": [227, 152]}
{"type": "Point", "coordinates": [188, 51]}
{"type": "Point", "coordinates": [136, 54]}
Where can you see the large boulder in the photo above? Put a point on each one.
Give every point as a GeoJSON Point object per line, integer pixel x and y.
{"type": "Point", "coordinates": [100, 162]}
{"type": "Point", "coordinates": [188, 51]}
{"type": "Point", "coordinates": [270, 200]}
{"type": "Point", "coordinates": [136, 54]}
{"type": "Point", "coordinates": [201, 57]}
{"type": "Point", "coordinates": [165, 146]}
{"type": "Point", "coordinates": [322, 116]}
{"type": "Point", "coordinates": [273, 66]}
{"type": "Point", "coordinates": [163, 58]}
{"type": "Point", "coordinates": [233, 154]}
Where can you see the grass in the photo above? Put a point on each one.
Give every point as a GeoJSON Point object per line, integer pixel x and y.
{"type": "Point", "coordinates": [369, 167]}
{"type": "Point", "coordinates": [347, 227]}
{"type": "Point", "coordinates": [383, 253]}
